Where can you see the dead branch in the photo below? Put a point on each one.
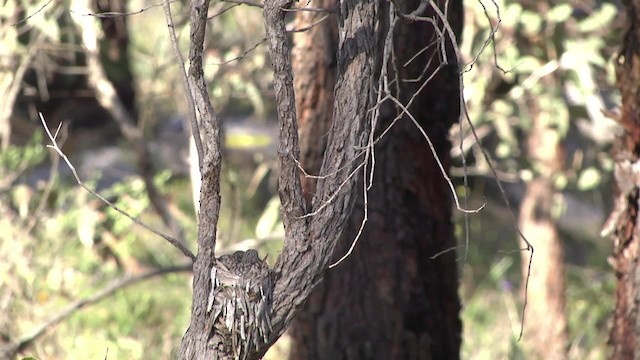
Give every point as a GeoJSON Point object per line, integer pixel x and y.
{"type": "Point", "coordinates": [32, 15]}
{"type": "Point", "coordinates": [20, 345]}
{"type": "Point", "coordinates": [54, 146]}
{"type": "Point", "coordinates": [195, 341]}
{"type": "Point", "coordinates": [193, 118]}
{"type": "Point", "coordinates": [112, 14]}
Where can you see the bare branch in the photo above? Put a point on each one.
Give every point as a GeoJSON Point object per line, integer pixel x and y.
{"type": "Point", "coordinates": [53, 174]}
{"type": "Point", "coordinates": [27, 340]}
{"type": "Point", "coordinates": [195, 341]}
{"type": "Point", "coordinates": [54, 146]}
{"type": "Point", "coordinates": [32, 15]}
{"type": "Point", "coordinates": [264, 40]}
{"type": "Point", "coordinates": [195, 129]}
{"type": "Point", "coordinates": [113, 14]}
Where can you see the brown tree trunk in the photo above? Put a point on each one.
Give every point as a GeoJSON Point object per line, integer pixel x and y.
{"type": "Point", "coordinates": [390, 299]}
{"type": "Point", "coordinates": [314, 63]}
{"type": "Point", "coordinates": [545, 320]}
{"type": "Point", "coordinates": [623, 221]}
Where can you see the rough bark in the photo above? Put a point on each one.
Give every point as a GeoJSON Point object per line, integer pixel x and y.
{"type": "Point", "coordinates": [194, 344]}
{"type": "Point", "coordinates": [622, 224]}
{"type": "Point", "coordinates": [391, 299]}
{"type": "Point", "coordinates": [309, 239]}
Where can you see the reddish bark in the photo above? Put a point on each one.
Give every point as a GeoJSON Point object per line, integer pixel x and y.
{"type": "Point", "coordinates": [390, 299]}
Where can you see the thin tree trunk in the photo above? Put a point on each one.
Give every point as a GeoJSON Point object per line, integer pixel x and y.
{"type": "Point", "coordinates": [545, 320]}
{"type": "Point", "coordinates": [390, 299]}
{"type": "Point", "coordinates": [622, 224]}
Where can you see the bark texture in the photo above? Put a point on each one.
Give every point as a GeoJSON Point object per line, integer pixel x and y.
{"type": "Point", "coordinates": [623, 221]}
{"type": "Point", "coordinates": [309, 237]}
{"type": "Point", "coordinates": [390, 299]}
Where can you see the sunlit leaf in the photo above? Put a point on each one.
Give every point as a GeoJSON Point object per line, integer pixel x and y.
{"type": "Point", "coordinates": [589, 179]}
{"type": "Point", "coordinates": [598, 20]}
{"type": "Point", "coordinates": [559, 13]}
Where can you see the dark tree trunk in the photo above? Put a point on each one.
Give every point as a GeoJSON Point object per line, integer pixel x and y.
{"type": "Point", "coordinates": [390, 299]}
{"type": "Point", "coordinates": [623, 221]}
{"type": "Point", "coordinates": [114, 51]}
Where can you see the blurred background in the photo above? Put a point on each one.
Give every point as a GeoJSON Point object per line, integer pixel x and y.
{"type": "Point", "coordinates": [548, 64]}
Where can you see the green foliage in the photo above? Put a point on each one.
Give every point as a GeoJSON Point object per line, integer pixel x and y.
{"type": "Point", "coordinates": [75, 246]}
{"type": "Point", "coordinates": [492, 314]}
{"type": "Point", "coordinates": [556, 70]}
{"type": "Point", "coordinates": [554, 64]}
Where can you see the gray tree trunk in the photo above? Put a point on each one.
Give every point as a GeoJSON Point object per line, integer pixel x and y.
{"type": "Point", "coordinates": [240, 307]}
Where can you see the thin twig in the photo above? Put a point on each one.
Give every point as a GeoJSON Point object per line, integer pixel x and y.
{"type": "Point", "coordinates": [53, 173]}
{"type": "Point", "coordinates": [264, 40]}
{"type": "Point", "coordinates": [107, 97]}
{"type": "Point", "coordinates": [195, 129]}
{"type": "Point", "coordinates": [465, 114]}
{"type": "Point", "coordinates": [367, 178]}
{"type": "Point", "coordinates": [114, 14]}
{"type": "Point", "coordinates": [443, 171]}
{"type": "Point", "coordinates": [54, 146]}
{"type": "Point", "coordinates": [32, 15]}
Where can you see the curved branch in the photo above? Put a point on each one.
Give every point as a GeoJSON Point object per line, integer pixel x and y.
{"type": "Point", "coordinates": [27, 340]}
{"type": "Point", "coordinates": [194, 342]}
{"type": "Point", "coordinates": [54, 146]}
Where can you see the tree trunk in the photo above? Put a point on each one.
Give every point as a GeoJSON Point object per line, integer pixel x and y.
{"type": "Point", "coordinates": [391, 299]}
{"type": "Point", "coordinates": [623, 221]}
{"type": "Point", "coordinates": [314, 63]}
{"type": "Point", "coordinates": [240, 306]}
{"type": "Point", "coordinates": [114, 52]}
{"type": "Point", "coordinates": [545, 320]}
